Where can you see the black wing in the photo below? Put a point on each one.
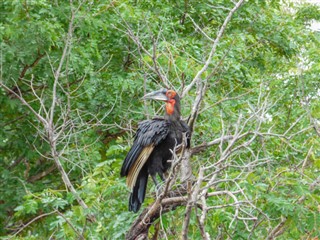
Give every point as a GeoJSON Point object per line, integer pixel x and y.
{"type": "Point", "coordinates": [149, 134]}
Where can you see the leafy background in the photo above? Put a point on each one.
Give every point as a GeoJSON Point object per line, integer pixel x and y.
{"type": "Point", "coordinates": [266, 55]}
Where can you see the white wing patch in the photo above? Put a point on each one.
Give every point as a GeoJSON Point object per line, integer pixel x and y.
{"type": "Point", "coordinates": [138, 164]}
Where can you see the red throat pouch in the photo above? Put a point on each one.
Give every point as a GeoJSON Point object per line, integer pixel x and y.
{"type": "Point", "coordinates": [170, 106]}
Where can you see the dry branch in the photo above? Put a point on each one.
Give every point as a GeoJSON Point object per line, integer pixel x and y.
{"type": "Point", "coordinates": [24, 226]}
{"type": "Point", "coordinates": [28, 66]}
{"type": "Point", "coordinates": [278, 230]}
{"type": "Point", "coordinates": [197, 78]}
{"type": "Point", "coordinates": [42, 174]}
{"type": "Point", "coordinates": [50, 132]}
{"type": "Point", "coordinates": [140, 227]}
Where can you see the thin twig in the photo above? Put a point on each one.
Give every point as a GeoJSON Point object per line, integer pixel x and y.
{"type": "Point", "coordinates": [32, 221]}
{"type": "Point", "coordinates": [213, 48]}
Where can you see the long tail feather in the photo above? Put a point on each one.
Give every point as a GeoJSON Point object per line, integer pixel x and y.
{"type": "Point", "coordinates": [139, 191]}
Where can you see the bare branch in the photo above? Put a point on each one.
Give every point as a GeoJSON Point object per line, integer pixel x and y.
{"type": "Point", "coordinates": [191, 202]}
{"type": "Point", "coordinates": [141, 225]}
{"type": "Point", "coordinates": [42, 174]}
{"type": "Point", "coordinates": [278, 230]}
{"type": "Point", "coordinates": [71, 225]}
{"type": "Point", "coordinates": [24, 102]}
{"type": "Point", "coordinates": [50, 134]}
{"type": "Point", "coordinates": [199, 28]}
{"type": "Point", "coordinates": [32, 221]}
{"type": "Point", "coordinates": [57, 72]}
{"type": "Point", "coordinates": [204, 146]}
{"type": "Point", "coordinates": [197, 78]}
{"type": "Point", "coordinates": [27, 67]}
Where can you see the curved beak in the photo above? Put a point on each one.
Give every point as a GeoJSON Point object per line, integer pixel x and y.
{"type": "Point", "coordinates": [157, 95]}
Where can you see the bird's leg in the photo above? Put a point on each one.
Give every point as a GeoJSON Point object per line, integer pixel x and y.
{"type": "Point", "coordinates": [158, 185]}
{"type": "Point", "coordinates": [162, 177]}
{"type": "Point", "coordinates": [154, 178]}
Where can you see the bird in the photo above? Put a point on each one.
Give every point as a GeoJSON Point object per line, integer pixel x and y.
{"type": "Point", "coordinates": [153, 146]}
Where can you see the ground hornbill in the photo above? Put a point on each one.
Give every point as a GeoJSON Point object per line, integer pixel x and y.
{"type": "Point", "coordinates": [152, 147]}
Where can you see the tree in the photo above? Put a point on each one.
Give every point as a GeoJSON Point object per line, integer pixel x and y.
{"type": "Point", "coordinates": [71, 77]}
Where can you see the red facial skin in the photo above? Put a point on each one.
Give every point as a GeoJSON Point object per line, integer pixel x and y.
{"type": "Point", "coordinates": [170, 103]}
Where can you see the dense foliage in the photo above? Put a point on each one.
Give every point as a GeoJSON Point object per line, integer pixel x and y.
{"type": "Point", "coordinates": [95, 59]}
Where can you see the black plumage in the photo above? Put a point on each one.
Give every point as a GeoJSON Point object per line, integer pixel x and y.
{"type": "Point", "coordinates": [152, 148]}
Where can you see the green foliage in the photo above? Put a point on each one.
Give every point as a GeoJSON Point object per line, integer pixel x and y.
{"type": "Point", "coordinates": [267, 54]}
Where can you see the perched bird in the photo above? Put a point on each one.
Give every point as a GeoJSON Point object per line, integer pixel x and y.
{"type": "Point", "coordinates": [152, 148]}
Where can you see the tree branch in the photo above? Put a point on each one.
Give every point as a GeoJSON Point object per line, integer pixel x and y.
{"type": "Point", "coordinates": [213, 48]}
{"type": "Point", "coordinates": [32, 221]}
{"type": "Point", "coordinates": [139, 228]}
{"type": "Point", "coordinates": [41, 175]}
{"type": "Point", "coordinates": [27, 67]}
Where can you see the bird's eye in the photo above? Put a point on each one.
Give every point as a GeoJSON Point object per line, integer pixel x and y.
{"type": "Point", "coordinates": [171, 94]}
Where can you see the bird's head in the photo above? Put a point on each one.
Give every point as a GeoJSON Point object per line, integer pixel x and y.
{"type": "Point", "coordinates": [171, 98]}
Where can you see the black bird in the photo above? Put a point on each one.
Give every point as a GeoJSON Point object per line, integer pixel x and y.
{"type": "Point", "coordinates": [152, 147]}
